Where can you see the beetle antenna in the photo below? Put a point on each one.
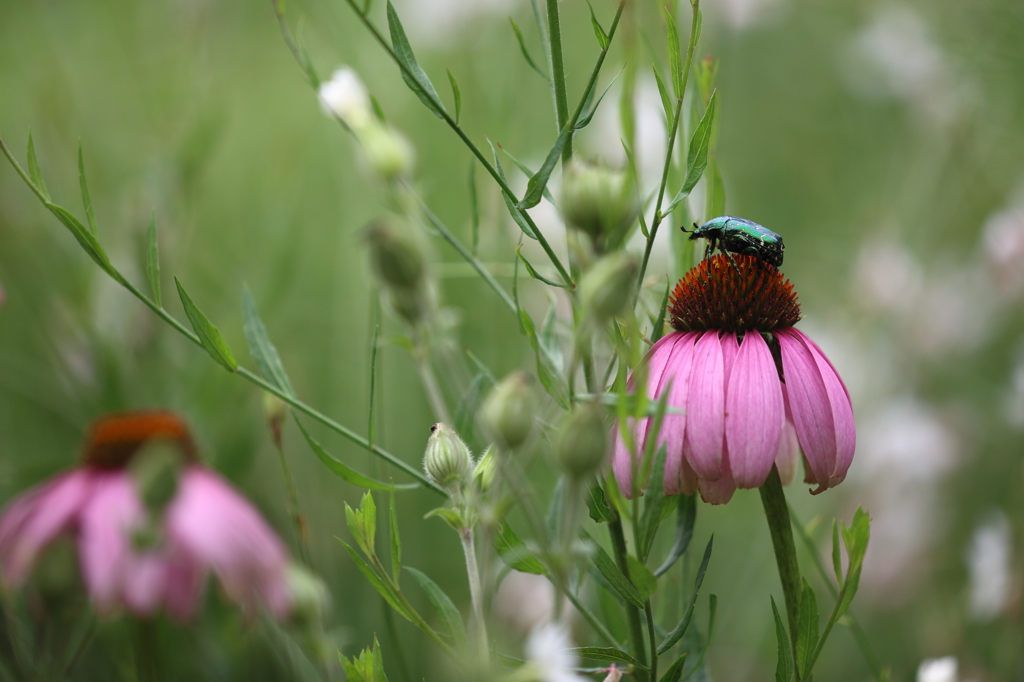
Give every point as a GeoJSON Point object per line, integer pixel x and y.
{"type": "Point", "coordinates": [683, 228]}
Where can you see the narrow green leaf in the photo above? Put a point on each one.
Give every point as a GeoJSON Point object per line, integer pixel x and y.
{"type": "Point", "coordinates": [33, 168]}
{"type": "Point", "coordinates": [587, 117]}
{"type": "Point", "coordinates": [659, 324]}
{"type": "Point", "coordinates": [686, 515]}
{"type": "Point", "coordinates": [90, 215]}
{"type": "Point", "coordinates": [680, 629]}
{"type": "Point", "coordinates": [535, 187]}
{"type": "Point", "coordinates": [342, 471]}
{"type": "Point", "coordinates": [598, 507]}
{"type": "Point", "coordinates": [784, 669]}
{"type": "Point", "coordinates": [457, 94]}
{"type": "Point", "coordinates": [526, 53]}
{"type": "Point", "coordinates": [516, 214]}
{"type": "Point", "coordinates": [378, 584]}
{"type": "Point", "coordinates": [549, 341]}
{"type": "Point", "coordinates": [378, 663]}
{"type": "Point", "coordinates": [654, 501]}
{"type": "Point", "coordinates": [86, 239]}
{"type": "Point", "coordinates": [264, 354]}
{"type": "Point", "coordinates": [371, 426]}
{"type": "Point", "coordinates": [514, 552]}
{"type": "Point", "coordinates": [644, 581]}
{"type": "Point", "coordinates": [474, 207]}
{"type": "Point", "coordinates": [396, 540]}
{"type": "Point", "coordinates": [619, 582]}
{"type": "Point", "coordinates": [551, 382]}
{"type": "Point", "coordinates": [443, 607]}
{"type": "Point", "coordinates": [602, 37]}
{"type": "Point", "coordinates": [368, 509]}
{"type": "Point", "coordinates": [209, 336]}
{"type": "Point", "coordinates": [675, 671]}
{"type": "Point", "coordinates": [528, 172]}
{"type": "Point", "coordinates": [695, 38]}
{"type": "Point", "coordinates": [666, 100]}
{"type": "Point", "coordinates": [675, 55]}
{"type": "Point", "coordinates": [837, 562]}
{"type": "Point", "coordinates": [413, 75]}
{"type": "Point", "coordinates": [153, 261]}
{"type": "Point", "coordinates": [807, 631]}
{"type": "Point", "coordinates": [452, 517]}
{"type": "Point", "coordinates": [697, 155]}
{"type": "Point", "coordinates": [607, 653]}
{"type": "Point", "coordinates": [378, 110]}
{"type": "Point", "coordinates": [533, 273]}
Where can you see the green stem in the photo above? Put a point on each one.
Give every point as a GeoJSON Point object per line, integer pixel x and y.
{"type": "Point", "coordinates": [147, 652]}
{"type": "Point", "coordinates": [673, 128]}
{"type": "Point", "coordinates": [476, 595]}
{"type": "Point", "coordinates": [773, 498]}
{"type": "Point", "coordinates": [429, 379]}
{"type": "Point", "coordinates": [636, 635]}
{"type": "Point", "coordinates": [651, 639]}
{"type": "Point", "coordinates": [558, 73]}
{"type": "Point", "coordinates": [301, 530]}
{"type": "Point", "coordinates": [396, 641]}
{"type": "Point", "coordinates": [594, 621]}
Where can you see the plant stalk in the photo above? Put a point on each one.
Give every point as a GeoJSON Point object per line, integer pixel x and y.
{"type": "Point", "coordinates": [773, 498]}
{"type": "Point", "coordinates": [476, 594]}
{"type": "Point", "coordinates": [558, 73]}
{"type": "Point", "coordinates": [636, 636]}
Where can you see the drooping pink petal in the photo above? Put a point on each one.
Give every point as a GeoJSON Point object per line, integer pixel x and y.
{"type": "Point", "coordinates": [842, 410]}
{"type": "Point", "coordinates": [705, 418]}
{"type": "Point", "coordinates": [221, 528]}
{"type": "Point", "coordinates": [184, 584]}
{"type": "Point", "coordinates": [754, 411]}
{"type": "Point", "coordinates": [787, 458]}
{"type": "Point", "coordinates": [687, 479]}
{"type": "Point", "coordinates": [35, 518]}
{"type": "Point", "coordinates": [810, 405]}
{"type": "Point", "coordinates": [673, 429]}
{"type": "Point", "coordinates": [720, 491]}
{"type": "Point", "coordinates": [145, 580]}
{"type": "Point", "coordinates": [106, 523]}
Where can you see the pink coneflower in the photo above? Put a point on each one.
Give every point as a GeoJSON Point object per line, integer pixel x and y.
{"type": "Point", "coordinates": [752, 390]}
{"type": "Point", "coordinates": [141, 555]}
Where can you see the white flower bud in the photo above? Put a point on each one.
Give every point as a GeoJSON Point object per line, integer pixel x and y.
{"type": "Point", "coordinates": [345, 96]}
{"type": "Point", "coordinates": [447, 460]}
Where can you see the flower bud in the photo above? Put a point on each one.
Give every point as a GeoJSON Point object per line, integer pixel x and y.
{"type": "Point", "coordinates": [486, 469]}
{"type": "Point", "coordinates": [395, 257]}
{"type": "Point", "coordinates": [386, 151]}
{"type": "Point", "coordinates": [607, 289]}
{"type": "Point", "coordinates": [447, 460]}
{"type": "Point", "coordinates": [308, 594]}
{"type": "Point", "coordinates": [345, 96]}
{"type": "Point", "coordinates": [582, 441]}
{"type": "Point", "coordinates": [599, 201]}
{"type": "Point", "coordinates": [507, 412]}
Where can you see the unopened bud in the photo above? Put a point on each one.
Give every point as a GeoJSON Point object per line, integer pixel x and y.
{"type": "Point", "coordinates": [447, 460]}
{"type": "Point", "coordinates": [607, 289]}
{"type": "Point", "coordinates": [386, 151]}
{"type": "Point", "coordinates": [507, 412]}
{"type": "Point", "coordinates": [155, 470]}
{"type": "Point", "coordinates": [345, 96]}
{"type": "Point", "coordinates": [486, 469]}
{"type": "Point", "coordinates": [308, 594]}
{"type": "Point", "coordinates": [599, 201]}
{"type": "Point", "coordinates": [395, 257]}
{"type": "Point", "coordinates": [582, 441]}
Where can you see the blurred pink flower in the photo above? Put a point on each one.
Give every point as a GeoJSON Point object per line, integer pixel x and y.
{"type": "Point", "coordinates": [750, 390]}
{"type": "Point", "coordinates": [138, 558]}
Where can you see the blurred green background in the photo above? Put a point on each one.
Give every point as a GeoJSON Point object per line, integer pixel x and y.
{"type": "Point", "coordinates": [883, 140]}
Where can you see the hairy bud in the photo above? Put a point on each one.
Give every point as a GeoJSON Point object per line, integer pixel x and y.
{"type": "Point", "coordinates": [599, 201]}
{"type": "Point", "coordinates": [582, 441]}
{"type": "Point", "coordinates": [508, 411]}
{"type": "Point", "coordinates": [447, 460]}
{"type": "Point", "coordinates": [485, 470]}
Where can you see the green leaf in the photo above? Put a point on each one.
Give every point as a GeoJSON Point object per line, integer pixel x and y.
{"type": "Point", "coordinates": [90, 215]}
{"type": "Point", "coordinates": [413, 75]}
{"type": "Point", "coordinates": [659, 324]}
{"type": "Point", "coordinates": [699, 18]}
{"type": "Point", "coordinates": [378, 110]}
{"type": "Point", "coordinates": [396, 540]}
{"type": "Point", "coordinates": [453, 517]}
{"type": "Point", "coordinates": [549, 341]}
{"type": "Point", "coordinates": [602, 37]}
{"type": "Point", "coordinates": [33, 169]}
{"type": "Point", "coordinates": [837, 561]}
{"type": "Point", "coordinates": [535, 187]}
{"type": "Point", "coordinates": [806, 631]}
{"type": "Point", "coordinates": [533, 273]}
{"type": "Point", "coordinates": [457, 94]}
{"type": "Point", "coordinates": [378, 663]}
{"type": "Point", "coordinates": [342, 471]}
{"type": "Point", "coordinates": [654, 500]}
{"type": "Point", "coordinates": [153, 261]}
{"type": "Point", "coordinates": [644, 581]}
{"type": "Point", "coordinates": [369, 512]}
{"type": "Point", "coordinates": [516, 214]}
{"type": "Point", "coordinates": [784, 669]}
{"type": "Point", "coordinates": [528, 172]}
{"type": "Point", "coordinates": [474, 207]}
{"type": "Point", "coordinates": [675, 671]}
{"type": "Point", "coordinates": [675, 55]}
{"type": "Point", "coordinates": [599, 509]}
{"type": "Point", "coordinates": [666, 101]}
{"type": "Point", "coordinates": [619, 582]}
{"type": "Point", "coordinates": [209, 335]}
{"type": "Point", "coordinates": [443, 607]}
{"type": "Point", "coordinates": [526, 53]}
{"type": "Point", "coordinates": [264, 354]}
{"type": "Point", "coordinates": [680, 629]}
{"type": "Point", "coordinates": [86, 239]}
{"type": "Point", "coordinates": [607, 653]}
{"type": "Point", "coordinates": [686, 515]}
{"type": "Point", "coordinates": [697, 155]}
{"type": "Point", "coordinates": [586, 118]}
{"type": "Point", "coordinates": [514, 552]}
{"type": "Point", "coordinates": [378, 584]}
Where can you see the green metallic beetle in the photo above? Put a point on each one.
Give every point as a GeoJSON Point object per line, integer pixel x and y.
{"type": "Point", "coordinates": [732, 235]}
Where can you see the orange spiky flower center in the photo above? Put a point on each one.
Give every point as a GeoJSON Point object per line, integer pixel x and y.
{"type": "Point", "coordinates": [714, 295]}
{"type": "Point", "coordinates": [114, 440]}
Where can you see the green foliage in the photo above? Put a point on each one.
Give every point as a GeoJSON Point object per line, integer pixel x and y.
{"type": "Point", "coordinates": [413, 75]}
{"type": "Point", "coordinates": [784, 668]}
{"type": "Point", "coordinates": [209, 336]}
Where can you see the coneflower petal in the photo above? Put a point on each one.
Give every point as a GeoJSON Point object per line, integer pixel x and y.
{"type": "Point", "coordinates": [721, 490]}
{"type": "Point", "coordinates": [754, 412]}
{"type": "Point", "coordinates": [810, 405]}
{"type": "Point", "coordinates": [673, 429]}
{"type": "Point", "coordinates": [705, 418]}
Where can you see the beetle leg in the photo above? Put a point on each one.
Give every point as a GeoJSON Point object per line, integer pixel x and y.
{"type": "Point", "coordinates": [710, 249]}
{"type": "Point", "coordinates": [731, 260]}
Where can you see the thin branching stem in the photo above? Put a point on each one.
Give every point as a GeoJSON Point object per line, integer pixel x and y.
{"type": "Point", "coordinates": [558, 73]}
{"type": "Point", "coordinates": [636, 635]}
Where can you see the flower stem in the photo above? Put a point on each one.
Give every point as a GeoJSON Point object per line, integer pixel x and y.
{"type": "Point", "coordinates": [558, 73]}
{"type": "Point", "coordinates": [430, 385]}
{"type": "Point", "coordinates": [636, 635]}
{"type": "Point", "coordinates": [301, 528]}
{"type": "Point", "coordinates": [147, 652]}
{"type": "Point", "coordinates": [774, 500]}
{"type": "Point", "coordinates": [475, 593]}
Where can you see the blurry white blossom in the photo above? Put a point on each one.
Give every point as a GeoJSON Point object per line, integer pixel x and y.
{"type": "Point", "coordinates": [444, 22]}
{"type": "Point", "coordinates": [524, 600]}
{"type": "Point", "coordinates": [1013, 401]}
{"type": "Point", "coordinates": [345, 96]}
{"type": "Point", "coordinates": [988, 562]}
{"type": "Point", "coordinates": [548, 654]}
{"type": "Point", "coordinates": [1003, 247]}
{"type": "Point", "coordinates": [952, 312]}
{"type": "Point", "coordinates": [938, 670]}
{"type": "Point", "coordinates": [744, 14]}
{"type": "Point", "coordinates": [887, 276]}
